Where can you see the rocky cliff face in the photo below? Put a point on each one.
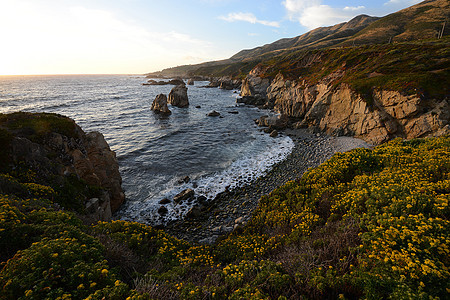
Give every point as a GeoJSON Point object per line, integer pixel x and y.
{"type": "Point", "coordinates": [337, 109]}
{"type": "Point", "coordinates": [58, 154]}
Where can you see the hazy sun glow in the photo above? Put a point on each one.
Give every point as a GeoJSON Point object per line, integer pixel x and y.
{"type": "Point", "coordinates": [77, 40]}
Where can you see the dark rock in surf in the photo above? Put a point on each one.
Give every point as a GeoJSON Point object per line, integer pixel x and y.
{"type": "Point", "coordinates": [213, 114]}
{"type": "Point", "coordinates": [186, 195]}
{"type": "Point", "coordinates": [186, 179]}
{"type": "Point", "coordinates": [274, 133]}
{"type": "Point", "coordinates": [163, 210]}
{"type": "Point", "coordinates": [164, 201]}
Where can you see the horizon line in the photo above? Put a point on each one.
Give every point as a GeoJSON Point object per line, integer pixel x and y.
{"type": "Point", "coordinates": [73, 74]}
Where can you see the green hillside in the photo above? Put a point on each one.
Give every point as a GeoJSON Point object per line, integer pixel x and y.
{"type": "Point", "coordinates": [421, 23]}
{"type": "Point", "coordinates": [412, 68]}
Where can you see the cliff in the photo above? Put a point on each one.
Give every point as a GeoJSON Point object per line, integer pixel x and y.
{"type": "Point", "coordinates": [57, 152]}
{"type": "Point", "coordinates": [373, 92]}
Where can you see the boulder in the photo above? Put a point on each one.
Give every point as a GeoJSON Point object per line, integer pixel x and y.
{"type": "Point", "coordinates": [178, 96]}
{"type": "Point", "coordinates": [213, 114]}
{"type": "Point", "coordinates": [274, 122]}
{"type": "Point", "coordinates": [185, 179]}
{"type": "Point", "coordinates": [159, 105]}
{"type": "Point", "coordinates": [226, 85]}
{"type": "Point", "coordinates": [187, 194]}
{"type": "Point", "coordinates": [164, 201]}
{"type": "Point", "coordinates": [163, 210]}
{"type": "Point", "coordinates": [274, 133]}
{"type": "Point", "coordinates": [252, 100]}
{"type": "Point", "coordinates": [194, 212]}
{"type": "Point", "coordinates": [213, 84]}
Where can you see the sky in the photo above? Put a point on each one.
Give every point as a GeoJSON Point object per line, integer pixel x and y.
{"type": "Point", "coordinates": [140, 36]}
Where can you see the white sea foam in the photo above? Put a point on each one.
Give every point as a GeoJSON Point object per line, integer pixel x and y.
{"type": "Point", "coordinates": [239, 173]}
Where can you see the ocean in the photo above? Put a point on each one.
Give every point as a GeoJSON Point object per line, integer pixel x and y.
{"type": "Point", "coordinates": [155, 152]}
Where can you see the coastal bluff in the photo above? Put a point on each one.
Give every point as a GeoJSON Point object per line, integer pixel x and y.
{"type": "Point", "coordinates": [55, 151]}
{"type": "Point", "coordinates": [337, 92]}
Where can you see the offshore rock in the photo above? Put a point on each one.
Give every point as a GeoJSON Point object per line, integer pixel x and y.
{"type": "Point", "coordinates": [213, 114]}
{"type": "Point", "coordinates": [178, 96]}
{"type": "Point", "coordinates": [176, 81]}
{"type": "Point", "coordinates": [159, 105]}
{"type": "Point", "coordinates": [227, 83]}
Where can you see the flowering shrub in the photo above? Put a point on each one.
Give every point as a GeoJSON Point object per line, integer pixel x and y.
{"type": "Point", "coordinates": [365, 224]}
{"type": "Point", "coordinates": [55, 268]}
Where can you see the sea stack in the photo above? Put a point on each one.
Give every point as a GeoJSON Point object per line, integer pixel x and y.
{"type": "Point", "coordinates": [178, 96]}
{"type": "Point", "coordinates": [159, 105]}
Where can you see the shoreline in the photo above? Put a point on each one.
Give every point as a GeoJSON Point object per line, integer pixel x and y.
{"type": "Point", "coordinates": [234, 208]}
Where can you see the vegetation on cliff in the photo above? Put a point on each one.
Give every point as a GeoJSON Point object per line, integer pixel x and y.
{"type": "Point", "coordinates": [365, 224]}
{"type": "Point", "coordinates": [411, 68]}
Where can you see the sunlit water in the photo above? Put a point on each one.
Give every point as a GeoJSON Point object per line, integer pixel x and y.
{"type": "Point", "coordinates": [155, 152]}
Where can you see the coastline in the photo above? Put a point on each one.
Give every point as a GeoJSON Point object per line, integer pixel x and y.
{"type": "Point", "coordinates": [234, 208]}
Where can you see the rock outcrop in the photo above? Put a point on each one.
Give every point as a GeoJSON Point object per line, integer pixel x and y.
{"type": "Point", "coordinates": [213, 114]}
{"type": "Point", "coordinates": [159, 105]}
{"type": "Point", "coordinates": [185, 195]}
{"type": "Point", "coordinates": [227, 83]}
{"type": "Point", "coordinates": [178, 96]}
{"type": "Point", "coordinates": [339, 110]}
{"type": "Point", "coordinates": [224, 83]}
{"type": "Point", "coordinates": [176, 81]}
{"type": "Point", "coordinates": [273, 122]}
{"type": "Point", "coordinates": [58, 154]}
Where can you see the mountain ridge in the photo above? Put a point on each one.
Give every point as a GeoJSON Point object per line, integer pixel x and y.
{"type": "Point", "coordinates": [311, 38]}
{"type": "Point", "coordinates": [419, 22]}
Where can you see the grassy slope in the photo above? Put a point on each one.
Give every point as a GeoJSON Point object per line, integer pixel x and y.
{"type": "Point", "coordinates": [367, 223]}
{"type": "Point", "coordinates": [417, 24]}
{"type": "Point", "coordinates": [412, 68]}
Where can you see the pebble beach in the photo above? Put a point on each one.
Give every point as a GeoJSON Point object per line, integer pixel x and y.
{"type": "Point", "coordinates": [233, 208]}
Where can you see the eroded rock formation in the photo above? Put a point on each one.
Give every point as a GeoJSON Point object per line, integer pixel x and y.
{"type": "Point", "coordinates": [178, 96]}
{"type": "Point", "coordinates": [338, 109]}
{"type": "Point", "coordinates": [159, 105]}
